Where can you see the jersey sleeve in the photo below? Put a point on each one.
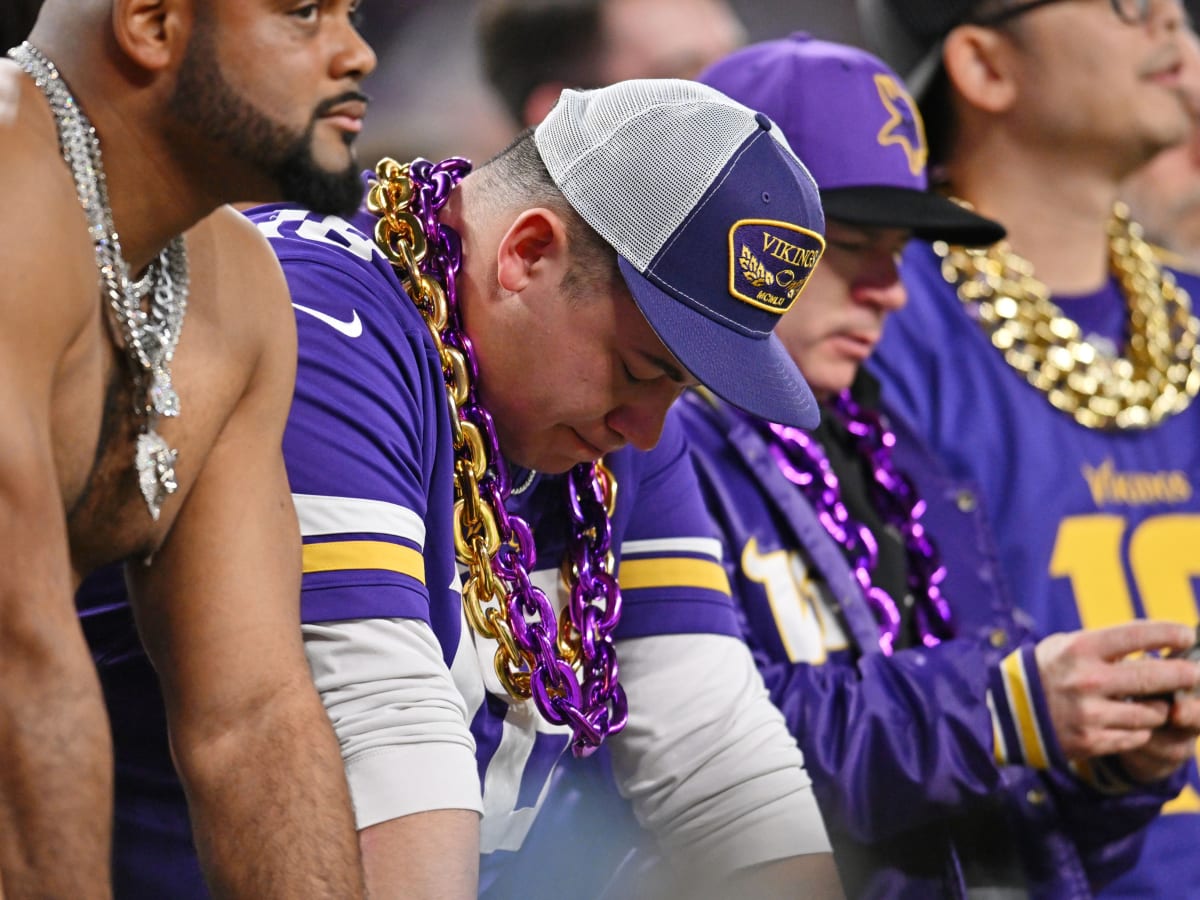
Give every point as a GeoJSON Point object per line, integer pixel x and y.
{"type": "Point", "coordinates": [705, 759]}
{"type": "Point", "coordinates": [358, 449]}
{"type": "Point", "coordinates": [367, 450]}
{"type": "Point", "coordinates": [670, 574]}
{"type": "Point", "coordinates": [1108, 826]}
{"type": "Point", "coordinates": [892, 743]}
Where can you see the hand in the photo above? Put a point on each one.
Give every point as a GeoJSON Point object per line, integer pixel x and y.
{"type": "Point", "coordinates": [1169, 746]}
{"type": "Point", "coordinates": [1102, 703]}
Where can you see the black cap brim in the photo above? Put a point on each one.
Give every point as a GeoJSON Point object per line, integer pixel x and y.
{"type": "Point", "coordinates": [927, 215]}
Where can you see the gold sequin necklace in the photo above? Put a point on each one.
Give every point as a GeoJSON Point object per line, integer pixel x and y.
{"type": "Point", "coordinates": [1158, 373]}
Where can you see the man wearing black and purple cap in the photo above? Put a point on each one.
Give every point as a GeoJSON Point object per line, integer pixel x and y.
{"type": "Point", "coordinates": [928, 713]}
{"type": "Point", "coordinates": [486, 365]}
{"type": "Point", "coordinates": [1058, 370]}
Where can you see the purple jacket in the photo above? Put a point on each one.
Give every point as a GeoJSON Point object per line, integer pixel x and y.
{"type": "Point", "coordinates": [924, 763]}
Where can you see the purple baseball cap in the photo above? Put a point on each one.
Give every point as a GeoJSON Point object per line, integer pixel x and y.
{"type": "Point", "coordinates": [848, 116]}
{"type": "Point", "coordinates": [717, 226]}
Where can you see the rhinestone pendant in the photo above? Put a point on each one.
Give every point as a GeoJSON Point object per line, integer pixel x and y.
{"type": "Point", "coordinates": [163, 398]}
{"type": "Point", "coordinates": [155, 461]}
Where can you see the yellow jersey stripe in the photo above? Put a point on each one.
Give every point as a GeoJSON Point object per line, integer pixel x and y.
{"type": "Point", "coordinates": [340, 556]}
{"type": "Point", "coordinates": [1013, 669]}
{"type": "Point", "coordinates": [676, 571]}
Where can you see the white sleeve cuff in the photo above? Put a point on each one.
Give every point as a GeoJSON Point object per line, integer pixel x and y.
{"type": "Point", "coordinates": [399, 781]}
{"type": "Point", "coordinates": [399, 719]}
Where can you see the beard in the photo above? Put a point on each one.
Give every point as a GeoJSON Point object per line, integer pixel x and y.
{"type": "Point", "coordinates": [204, 101]}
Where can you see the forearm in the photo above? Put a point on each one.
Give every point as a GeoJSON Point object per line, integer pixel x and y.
{"type": "Point", "coordinates": [814, 877]}
{"type": "Point", "coordinates": [269, 804]}
{"type": "Point", "coordinates": [426, 856]}
{"type": "Point", "coordinates": [55, 772]}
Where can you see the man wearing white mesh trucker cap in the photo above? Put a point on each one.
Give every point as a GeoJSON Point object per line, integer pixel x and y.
{"type": "Point", "coordinates": [485, 371]}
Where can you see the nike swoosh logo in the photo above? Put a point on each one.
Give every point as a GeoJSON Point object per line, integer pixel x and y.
{"type": "Point", "coordinates": [351, 329]}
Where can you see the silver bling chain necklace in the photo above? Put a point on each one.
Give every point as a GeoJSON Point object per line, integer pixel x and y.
{"type": "Point", "coordinates": [149, 336]}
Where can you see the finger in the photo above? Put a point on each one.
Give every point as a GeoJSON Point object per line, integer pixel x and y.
{"type": "Point", "coordinates": [1149, 675]}
{"type": "Point", "coordinates": [1145, 767]}
{"type": "Point", "coordinates": [1110, 727]}
{"type": "Point", "coordinates": [1125, 715]}
{"type": "Point", "coordinates": [1107, 743]}
{"type": "Point", "coordinates": [1118, 641]}
{"type": "Point", "coordinates": [1170, 746]}
{"type": "Point", "coordinates": [1185, 713]}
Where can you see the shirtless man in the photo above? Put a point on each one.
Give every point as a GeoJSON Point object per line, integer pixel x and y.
{"type": "Point", "coordinates": [115, 447]}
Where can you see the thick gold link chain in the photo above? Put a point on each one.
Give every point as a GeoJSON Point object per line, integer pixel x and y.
{"type": "Point", "coordinates": [477, 534]}
{"type": "Point", "coordinates": [1159, 374]}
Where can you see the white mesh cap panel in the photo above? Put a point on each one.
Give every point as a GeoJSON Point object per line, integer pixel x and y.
{"type": "Point", "coordinates": [634, 159]}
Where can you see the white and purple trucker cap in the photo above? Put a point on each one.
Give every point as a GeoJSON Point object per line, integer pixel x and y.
{"type": "Point", "coordinates": [717, 226]}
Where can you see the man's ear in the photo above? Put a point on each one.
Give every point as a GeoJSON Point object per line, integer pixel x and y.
{"type": "Point", "coordinates": [152, 33]}
{"type": "Point", "coordinates": [981, 63]}
{"type": "Point", "coordinates": [535, 245]}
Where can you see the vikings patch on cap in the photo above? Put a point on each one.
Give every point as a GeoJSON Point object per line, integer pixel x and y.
{"type": "Point", "coordinates": [769, 262]}
{"type": "Point", "coordinates": [857, 129]}
{"type": "Point", "coordinates": [716, 223]}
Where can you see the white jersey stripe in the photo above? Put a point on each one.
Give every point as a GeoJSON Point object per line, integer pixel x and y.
{"type": "Point", "coordinates": [671, 547]}
{"type": "Point", "coordinates": [350, 515]}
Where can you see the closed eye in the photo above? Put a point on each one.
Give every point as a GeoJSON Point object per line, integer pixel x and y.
{"type": "Point", "coordinates": [633, 379]}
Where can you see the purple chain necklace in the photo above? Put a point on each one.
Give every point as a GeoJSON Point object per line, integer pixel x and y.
{"type": "Point", "coordinates": [804, 463]}
{"type": "Point", "coordinates": [537, 654]}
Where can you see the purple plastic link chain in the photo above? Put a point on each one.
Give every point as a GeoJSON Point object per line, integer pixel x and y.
{"type": "Point", "coordinates": [595, 707]}
{"type": "Point", "coordinates": [804, 463]}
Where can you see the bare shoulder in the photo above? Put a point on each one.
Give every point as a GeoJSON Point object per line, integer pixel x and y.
{"type": "Point", "coordinates": [236, 275]}
{"type": "Point", "coordinates": [45, 249]}
{"type": "Point", "coordinates": [239, 299]}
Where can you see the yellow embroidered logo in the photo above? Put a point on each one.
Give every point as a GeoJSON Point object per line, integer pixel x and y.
{"type": "Point", "coordinates": [904, 127]}
{"type": "Point", "coordinates": [770, 262]}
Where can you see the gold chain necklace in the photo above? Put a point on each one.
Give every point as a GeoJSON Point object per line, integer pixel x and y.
{"type": "Point", "coordinates": [567, 663]}
{"type": "Point", "coordinates": [1159, 372]}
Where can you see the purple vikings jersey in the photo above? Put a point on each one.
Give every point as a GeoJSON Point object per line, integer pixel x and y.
{"type": "Point", "coordinates": [368, 452]}
{"type": "Point", "coordinates": [925, 763]}
{"type": "Point", "coordinates": [1093, 527]}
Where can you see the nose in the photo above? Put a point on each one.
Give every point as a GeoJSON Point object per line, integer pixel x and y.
{"type": "Point", "coordinates": [880, 286]}
{"type": "Point", "coordinates": [354, 59]}
{"type": "Point", "coordinates": [639, 420]}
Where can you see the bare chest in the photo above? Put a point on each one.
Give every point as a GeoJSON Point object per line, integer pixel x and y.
{"type": "Point", "coordinates": [97, 417]}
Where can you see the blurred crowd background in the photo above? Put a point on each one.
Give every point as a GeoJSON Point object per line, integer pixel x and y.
{"type": "Point", "coordinates": [429, 94]}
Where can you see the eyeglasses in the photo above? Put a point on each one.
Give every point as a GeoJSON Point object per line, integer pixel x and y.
{"type": "Point", "coordinates": [1131, 12]}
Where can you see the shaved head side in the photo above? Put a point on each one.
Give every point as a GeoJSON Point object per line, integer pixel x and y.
{"type": "Point", "coordinates": [59, 20]}
{"type": "Point", "coordinates": [82, 36]}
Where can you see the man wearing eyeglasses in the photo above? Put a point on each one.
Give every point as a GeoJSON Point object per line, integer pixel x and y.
{"type": "Point", "coordinates": [1057, 371]}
